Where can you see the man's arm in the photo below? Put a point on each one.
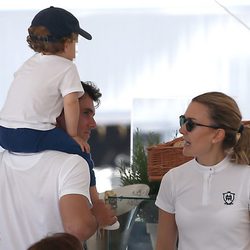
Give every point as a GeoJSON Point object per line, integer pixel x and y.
{"type": "Point", "coordinates": [77, 217]}
{"type": "Point", "coordinates": [93, 194]}
{"type": "Point", "coordinates": [103, 212]}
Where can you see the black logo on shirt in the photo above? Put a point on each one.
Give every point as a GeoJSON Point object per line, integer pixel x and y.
{"type": "Point", "coordinates": [228, 197]}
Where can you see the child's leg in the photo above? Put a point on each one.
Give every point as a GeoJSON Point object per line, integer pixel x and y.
{"type": "Point", "coordinates": [20, 140]}
{"type": "Point", "coordinates": [58, 139]}
{"type": "Point", "coordinates": [24, 140]}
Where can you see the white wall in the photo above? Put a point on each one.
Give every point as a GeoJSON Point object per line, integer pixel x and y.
{"type": "Point", "coordinates": [145, 53]}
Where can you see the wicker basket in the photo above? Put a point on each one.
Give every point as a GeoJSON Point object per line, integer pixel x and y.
{"type": "Point", "coordinates": [163, 157]}
{"type": "Point", "coordinates": [246, 123]}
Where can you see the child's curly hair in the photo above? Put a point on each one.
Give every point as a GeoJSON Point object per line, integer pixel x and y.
{"type": "Point", "coordinates": [39, 42]}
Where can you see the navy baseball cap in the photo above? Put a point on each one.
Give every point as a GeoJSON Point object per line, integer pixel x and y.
{"type": "Point", "coordinates": [59, 22]}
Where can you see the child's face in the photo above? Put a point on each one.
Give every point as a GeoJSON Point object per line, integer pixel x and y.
{"type": "Point", "coordinates": [70, 50]}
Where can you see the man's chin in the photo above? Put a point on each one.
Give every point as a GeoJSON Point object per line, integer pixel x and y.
{"type": "Point", "coordinates": [86, 137]}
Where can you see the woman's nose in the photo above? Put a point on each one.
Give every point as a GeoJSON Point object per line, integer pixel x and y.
{"type": "Point", "coordinates": [182, 129]}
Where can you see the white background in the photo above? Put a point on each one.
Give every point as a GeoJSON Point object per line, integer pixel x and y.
{"type": "Point", "coordinates": [148, 57]}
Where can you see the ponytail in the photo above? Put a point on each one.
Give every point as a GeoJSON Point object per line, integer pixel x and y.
{"type": "Point", "coordinates": [241, 151]}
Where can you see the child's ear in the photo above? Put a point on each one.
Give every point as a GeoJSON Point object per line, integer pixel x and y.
{"type": "Point", "coordinates": [219, 135]}
{"type": "Point", "coordinates": [66, 44]}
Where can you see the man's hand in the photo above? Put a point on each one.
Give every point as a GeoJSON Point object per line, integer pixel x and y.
{"type": "Point", "coordinates": [105, 216]}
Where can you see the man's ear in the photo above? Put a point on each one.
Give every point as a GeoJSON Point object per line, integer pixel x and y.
{"type": "Point", "coordinates": [219, 135]}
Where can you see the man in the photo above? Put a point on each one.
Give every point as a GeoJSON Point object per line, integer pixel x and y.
{"type": "Point", "coordinates": [48, 192]}
{"type": "Point", "coordinates": [88, 103]}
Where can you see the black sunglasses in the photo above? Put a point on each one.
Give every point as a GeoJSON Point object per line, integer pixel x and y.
{"type": "Point", "coordinates": [190, 125]}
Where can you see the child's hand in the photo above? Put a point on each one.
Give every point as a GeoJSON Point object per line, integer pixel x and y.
{"type": "Point", "coordinates": [84, 145]}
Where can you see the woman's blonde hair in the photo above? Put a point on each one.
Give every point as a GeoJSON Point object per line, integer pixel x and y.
{"type": "Point", "coordinates": [225, 114]}
{"type": "Point", "coordinates": [39, 40]}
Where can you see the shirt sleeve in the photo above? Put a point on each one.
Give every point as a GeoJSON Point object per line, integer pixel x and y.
{"type": "Point", "coordinates": [165, 199]}
{"type": "Point", "coordinates": [71, 82]}
{"type": "Point", "coordinates": [74, 177]}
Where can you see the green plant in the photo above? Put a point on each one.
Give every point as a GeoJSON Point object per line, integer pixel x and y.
{"type": "Point", "coordinates": [136, 171]}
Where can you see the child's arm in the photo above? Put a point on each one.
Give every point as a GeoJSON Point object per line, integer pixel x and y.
{"type": "Point", "coordinates": [72, 114]}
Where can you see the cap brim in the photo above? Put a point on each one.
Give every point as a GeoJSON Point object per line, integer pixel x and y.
{"type": "Point", "coordinates": [85, 34]}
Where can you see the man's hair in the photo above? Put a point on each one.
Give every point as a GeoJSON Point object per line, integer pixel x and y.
{"type": "Point", "coordinates": [94, 93]}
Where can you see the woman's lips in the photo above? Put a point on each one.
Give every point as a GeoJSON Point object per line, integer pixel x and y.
{"type": "Point", "coordinates": [186, 142]}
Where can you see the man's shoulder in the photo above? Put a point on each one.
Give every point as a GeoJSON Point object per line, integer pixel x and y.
{"type": "Point", "coordinates": [48, 158]}
{"type": "Point", "coordinates": [53, 155]}
{"type": "Point", "coordinates": [63, 159]}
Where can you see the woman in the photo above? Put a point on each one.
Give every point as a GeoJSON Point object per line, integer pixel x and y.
{"type": "Point", "coordinates": [206, 200]}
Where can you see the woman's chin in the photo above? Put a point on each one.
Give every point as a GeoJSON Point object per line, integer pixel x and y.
{"type": "Point", "coordinates": [187, 152]}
